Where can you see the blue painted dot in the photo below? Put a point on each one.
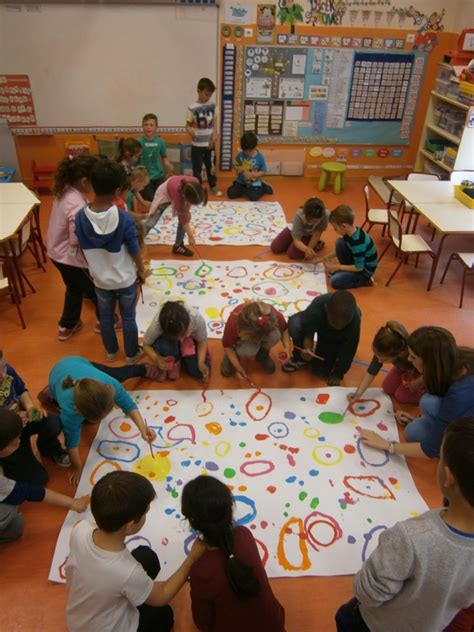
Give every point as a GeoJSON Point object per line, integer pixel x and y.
{"type": "Point", "coordinates": [291, 479]}
{"type": "Point", "coordinates": [198, 462]}
{"type": "Point", "coordinates": [169, 478]}
{"type": "Point", "coordinates": [232, 405]}
{"type": "Point", "coordinates": [302, 399]}
{"type": "Point", "coordinates": [351, 539]}
{"type": "Point", "coordinates": [232, 423]}
{"type": "Point", "coordinates": [300, 482]}
{"type": "Point", "coordinates": [314, 472]}
{"type": "Point", "coordinates": [185, 463]}
{"type": "Point", "coordinates": [169, 511]}
{"type": "Point", "coordinates": [321, 438]}
{"type": "Point", "coordinates": [289, 415]}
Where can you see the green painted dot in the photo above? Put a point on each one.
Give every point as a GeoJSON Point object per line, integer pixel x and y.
{"type": "Point", "coordinates": [287, 504]}
{"type": "Point", "coordinates": [369, 520]}
{"type": "Point", "coordinates": [331, 418]}
{"type": "Point", "coordinates": [174, 494]}
{"type": "Point", "coordinates": [242, 444]}
{"type": "Point", "coordinates": [202, 292]}
{"type": "Point", "coordinates": [314, 503]}
{"type": "Point", "coordinates": [168, 292]}
{"type": "Point", "coordinates": [343, 506]}
{"type": "Point", "coordinates": [285, 513]}
{"type": "Point", "coordinates": [229, 472]}
{"type": "Point", "coordinates": [302, 495]}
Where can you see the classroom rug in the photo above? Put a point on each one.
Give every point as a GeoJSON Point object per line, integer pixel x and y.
{"type": "Point", "coordinates": [233, 223]}
{"type": "Point", "coordinates": [216, 287]}
{"type": "Point", "coordinates": [315, 498]}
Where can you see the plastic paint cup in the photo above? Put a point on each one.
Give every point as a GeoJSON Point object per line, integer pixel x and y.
{"type": "Point", "coordinates": [282, 357]}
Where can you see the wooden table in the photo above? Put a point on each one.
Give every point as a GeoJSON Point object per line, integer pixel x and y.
{"type": "Point", "coordinates": [16, 193]}
{"type": "Point", "coordinates": [12, 215]}
{"type": "Point", "coordinates": [436, 202]}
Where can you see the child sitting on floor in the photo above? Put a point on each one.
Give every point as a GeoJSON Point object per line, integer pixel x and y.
{"type": "Point", "coordinates": [13, 493]}
{"type": "Point", "coordinates": [335, 319]}
{"type": "Point", "coordinates": [182, 192]}
{"type": "Point", "coordinates": [422, 572]}
{"type": "Point", "coordinates": [251, 330]}
{"type": "Point", "coordinates": [404, 382]}
{"type": "Point", "coordinates": [178, 335]}
{"type": "Point", "coordinates": [230, 591]}
{"type": "Point", "coordinates": [250, 168]}
{"type": "Point", "coordinates": [129, 152]}
{"type": "Point", "coordinates": [303, 241]}
{"type": "Point", "coordinates": [111, 589]}
{"type": "Point", "coordinates": [355, 252]}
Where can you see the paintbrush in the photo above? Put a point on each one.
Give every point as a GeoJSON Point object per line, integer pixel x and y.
{"type": "Point", "coordinates": [308, 352]}
{"type": "Point", "coordinates": [149, 442]}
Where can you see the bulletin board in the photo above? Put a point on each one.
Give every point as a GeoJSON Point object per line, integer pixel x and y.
{"type": "Point", "coordinates": [327, 94]}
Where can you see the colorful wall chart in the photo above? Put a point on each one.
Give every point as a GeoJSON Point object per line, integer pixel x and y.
{"type": "Point", "coordinates": [216, 287]}
{"type": "Point", "coordinates": [314, 497]}
{"type": "Point", "coordinates": [226, 223]}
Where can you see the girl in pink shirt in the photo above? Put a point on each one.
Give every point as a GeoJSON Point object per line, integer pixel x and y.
{"type": "Point", "coordinates": [71, 187]}
{"type": "Point", "coordinates": [181, 192]}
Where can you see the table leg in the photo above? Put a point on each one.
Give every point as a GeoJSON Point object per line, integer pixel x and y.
{"type": "Point", "coordinates": [323, 180]}
{"type": "Point", "coordinates": [436, 260]}
{"type": "Point", "coordinates": [37, 231]}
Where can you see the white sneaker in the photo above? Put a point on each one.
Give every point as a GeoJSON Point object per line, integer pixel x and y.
{"type": "Point", "coordinates": [215, 191]}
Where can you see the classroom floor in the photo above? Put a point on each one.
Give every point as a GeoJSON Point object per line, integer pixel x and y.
{"type": "Point", "coordinates": [36, 604]}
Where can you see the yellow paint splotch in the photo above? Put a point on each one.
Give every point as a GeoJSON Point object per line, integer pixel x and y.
{"type": "Point", "coordinates": [155, 469]}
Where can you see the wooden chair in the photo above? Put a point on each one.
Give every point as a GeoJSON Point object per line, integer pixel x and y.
{"type": "Point", "coordinates": [405, 244]}
{"type": "Point", "coordinates": [7, 283]}
{"type": "Point", "coordinates": [43, 177]}
{"type": "Point", "coordinates": [24, 240]}
{"type": "Point", "coordinates": [374, 216]}
{"type": "Point", "coordinates": [467, 261]}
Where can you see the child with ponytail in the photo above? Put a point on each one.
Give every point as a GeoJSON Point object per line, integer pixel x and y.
{"type": "Point", "coordinates": [230, 591]}
{"type": "Point", "coordinates": [181, 192]}
{"type": "Point", "coordinates": [403, 382]}
{"type": "Point", "coordinates": [129, 152]}
{"type": "Point", "coordinates": [71, 187]}
{"type": "Point", "coordinates": [84, 391]}
{"type": "Point", "coordinates": [251, 330]}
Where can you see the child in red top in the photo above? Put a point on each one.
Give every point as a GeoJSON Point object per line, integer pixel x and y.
{"type": "Point", "coordinates": [252, 329]}
{"type": "Point", "coordinates": [230, 591]}
{"type": "Point", "coordinates": [181, 192]}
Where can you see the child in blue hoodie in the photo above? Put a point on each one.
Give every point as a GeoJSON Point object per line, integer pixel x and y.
{"type": "Point", "coordinates": [108, 238]}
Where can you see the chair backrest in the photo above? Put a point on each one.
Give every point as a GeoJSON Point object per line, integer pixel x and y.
{"type": "Point", "coordinates": [457, 177]}
{"type": "Point", "coordinates": [367, 202]}
{"type": "Point", "coordinates": [415, 175]}
{"type": "Point", "coordinates": [395, 229]}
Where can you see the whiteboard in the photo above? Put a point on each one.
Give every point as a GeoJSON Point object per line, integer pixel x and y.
{"type": "Point", "coordinates": [108, 65]}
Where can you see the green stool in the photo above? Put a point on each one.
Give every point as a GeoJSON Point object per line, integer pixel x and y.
{"type": "Point", "coordinates": [337, 168]}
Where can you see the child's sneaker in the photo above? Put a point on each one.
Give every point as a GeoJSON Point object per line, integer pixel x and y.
{"type": "Point", "coordinates": [263, 358]}
{"type": "Point", "coordinates": [152, 372]}
{"type": "Point", "coordinates": [64, 333]}
{"type": "Point", "coordinates": [369, 281]}
{"type": "Point", "coordinates": [293, 365]}
{"type": "Point", "coordinates": [62, 459]}
{"type": "Point", "coordinates": [174, 372]}
{"type": "Point", "coordinates": [180, 249]}
{"type": "Point", "coordinates": [215, 191]}
{"type": "Point", "coordinates": [136, 357]}
{"type": "Point", "coordinates": [111, 357]}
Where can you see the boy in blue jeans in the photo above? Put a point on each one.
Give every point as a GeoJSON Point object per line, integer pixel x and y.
{"type": "Point", "coordinates": [108, 238]}
{"type": "Point", "coordinates": [250, 167]}
{"type": "Point", "coordinates": [421, 574]}
{"type": "Point", "coordinates": [111, 589]}
{"type": "Point", "coordinates": [355, 252]}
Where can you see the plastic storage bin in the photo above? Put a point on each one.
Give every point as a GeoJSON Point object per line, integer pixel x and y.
{"type": "Point", "coordinates": [453, 122]}
{"type": "Point", "coordinates": [6, 174]}
{"type": "Point", "coordinates": [442, 86]}
{"type": "Point", "coordinates": [436, 146]}
{"type": "Point", "coordinates": [449, 156]}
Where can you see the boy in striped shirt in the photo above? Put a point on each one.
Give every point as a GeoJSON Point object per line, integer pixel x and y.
{"type": "Point", "coordinates": [355, 252]}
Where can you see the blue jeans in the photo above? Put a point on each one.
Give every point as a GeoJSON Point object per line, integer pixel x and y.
{"type": "Point", "coordinates": [172, 348]}
{"type": "Point", "coordinates": [179, 234]}
{"type": "Point", "coordinates": [421, 428]}
{"type": "Point", "coordinates": [342, 280]}
{"type": "Point", "coordinates": [349, 619]}
{"type": "Point", "coordinates": [106, 301]}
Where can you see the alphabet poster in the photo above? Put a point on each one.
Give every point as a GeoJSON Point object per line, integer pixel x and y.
{"type": "Point", "coordinates": [216, 287]}
{"type": "Point", "coordinates": [314, 497]}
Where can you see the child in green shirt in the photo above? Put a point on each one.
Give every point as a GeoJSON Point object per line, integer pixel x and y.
{"type": "Point", "coordinates": [153, 156]}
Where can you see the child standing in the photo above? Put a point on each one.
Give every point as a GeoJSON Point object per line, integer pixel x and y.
{"type": "Point", "coordinates": [250, 168]}
{"type": "Point", "coordinates": [404, 382]}
{"type": "Point", "coordinates": [23, 466]}
{"type": "Point", "coordinates": [153, 156]}
{"type": "Point", "coordinates": [251, 330]}
{"type": "Point", "coordinates": [230, 591]}
{"type": "Point", "coordinates": [355, 252]}
{"type": "Point", "coordinates": [129, 152]}
{"type": "Point", "coordinates": [201, 124]}
{"type": "Point", "coordinates": [108, 238]}
{"type": "Point", "coordinates": [71, 186]}
{"type": "Point", "coordinates": [111, 589]}
{"type": "Point", "coordinates": [178, 335]}
{"type": "Point", "coordinates": [13, 493]}
{"type": "Point", "coordinates": [303, 241]}
{"type": "Point", "coordinates": [335, 318]}
{"type": "Point", "coordinates": [422, 572]}
{"type": "Point", "coordinates": [181, 192]}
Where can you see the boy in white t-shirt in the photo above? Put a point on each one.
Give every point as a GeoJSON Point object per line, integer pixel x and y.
{"type": "Point", "coordinates": [111, 589]}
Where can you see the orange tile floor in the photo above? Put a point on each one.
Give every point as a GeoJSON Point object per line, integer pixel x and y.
{"type": "Point", "coordinates": [310, 603]}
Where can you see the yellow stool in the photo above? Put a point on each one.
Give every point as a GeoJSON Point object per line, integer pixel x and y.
{"type": "Point", "coordinates": [337, 168]}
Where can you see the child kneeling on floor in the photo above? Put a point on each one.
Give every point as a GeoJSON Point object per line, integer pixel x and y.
{"type": "Point", "coordinates": [178, 335]}
{"type": "Point", "coordinates": [250, 168]}
{"type": "Point", "coordinates": [110, 588]}
{"type": "Point", "coordinates": [422, 572]}
{"type": "Point", "coordinates": [303, 241]}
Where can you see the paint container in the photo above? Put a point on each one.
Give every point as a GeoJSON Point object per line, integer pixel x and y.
{"type": "Point", "coordinates": [283, 357]}
{"type": "Point", "coordinates": [170, 361]}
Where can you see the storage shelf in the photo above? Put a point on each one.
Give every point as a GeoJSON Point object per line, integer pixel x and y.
{"type": "Point", "coordinates": [458, 104]}
{"type": "Point", "coordinates": [431, 158]}
{"type": "Point", "coordinates": [444, 134]}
